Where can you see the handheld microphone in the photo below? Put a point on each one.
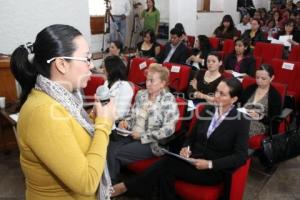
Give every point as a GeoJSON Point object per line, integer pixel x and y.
{"type": "Point", "coordinates": [103, 94]}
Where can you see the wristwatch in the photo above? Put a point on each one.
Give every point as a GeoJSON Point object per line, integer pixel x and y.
{"type": "Point", "coordinates": [210, 165]}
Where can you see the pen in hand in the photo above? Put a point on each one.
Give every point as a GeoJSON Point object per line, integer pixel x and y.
{"type": "Point", "coordinates": [188, 152]}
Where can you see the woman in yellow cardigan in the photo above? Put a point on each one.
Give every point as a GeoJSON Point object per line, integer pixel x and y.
{"type": "Point", "coordinates": [62, 149]}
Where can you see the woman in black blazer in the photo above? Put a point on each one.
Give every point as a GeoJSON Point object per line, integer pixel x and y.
{"type": "Point", "coordinates": [262, 101]}
{"type": "Point", "coordinates": [254, 34]}
{"type": "Point", "coordinates": [241, 60]}
{"type": "Point", "coordinates": [213, 147]}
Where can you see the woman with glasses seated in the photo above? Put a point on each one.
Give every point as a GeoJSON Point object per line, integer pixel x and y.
{"type": "Point", "coordinates": [213, 148]}
{"type": "Point", "coordinates": [262, 101]}
{"type": "Point", "coordinates": [148, 47]}
{"type": "Point", "coordinates": [153, 117]}
{"type": "Point", "coordinates": [62, 148]}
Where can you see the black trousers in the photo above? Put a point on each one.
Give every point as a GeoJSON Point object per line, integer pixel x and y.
{"type": "Point", "coordinates": [162, 175]}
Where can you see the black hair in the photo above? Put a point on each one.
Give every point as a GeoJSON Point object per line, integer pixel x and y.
{"type": "Point", "coordinates": [246, 43]}
{"type": "Point", "coordinates": [180, 27]}
{"type": "Point", "coordinates": [268, 68]}
{"type": "Point", "coordinates": [227, 18]}
{"type": "Point", "coordinates": [175, 31]}
{"type": "Point", "coordinates": [204, 43]}
{"type": "Point", "coordinates": [152, 35]}
{"type": "Point", "coordinates": [154, 8]}
{"type": "Point", "coordinates": [115, 68]}
{"type": "Point", "coordinates": [118, 44]}
{"type": "Point", "coordinates": [53, 41]}
{"type": "Point", "coordinates": [235, 86]}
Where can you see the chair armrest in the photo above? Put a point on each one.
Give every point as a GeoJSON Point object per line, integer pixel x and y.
{"type": "Point", "coordinates": [285, 113]}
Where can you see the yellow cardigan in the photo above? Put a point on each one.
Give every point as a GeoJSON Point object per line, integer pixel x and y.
{"type": "Point", "coordinates": [59, 159]}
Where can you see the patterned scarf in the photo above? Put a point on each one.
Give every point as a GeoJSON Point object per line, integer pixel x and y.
{"type": "Point", "coordinates": [73, 103]}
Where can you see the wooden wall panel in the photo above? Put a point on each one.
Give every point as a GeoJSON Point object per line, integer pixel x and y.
{"type": "Point", "coordinates": [7, 81]}
{"type": "Point", "coordinates": [97, 24]}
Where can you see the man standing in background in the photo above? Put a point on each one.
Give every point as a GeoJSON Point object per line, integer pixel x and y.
{"type": "Point", "coordinates": [120, 9]}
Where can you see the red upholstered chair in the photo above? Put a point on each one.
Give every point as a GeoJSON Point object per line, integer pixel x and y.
{"type": "Point", "coordinates": [191, 41]}
{"type": "Point", "coordinates": [179, 76]}
{"type": "Point", "coordinates": [268, 51]}
{"type": "Point", "coordinates": [137, 70]}
{"type": "Point", "coordinates": [258, 61]}
{"type": "Point", "coordinates": [214, 42]}
{"type": "Point", "coordinates": [191, 191]}
{"type": "Point", "coordinates": [256, 141]}
{"type": "Point", "coordinates": [140, 166]}
{"type": "Point", "coordinates": [92, 85]}
{"type": "Point", "coordinates": [135, 89]}
{"type": "Point", "coordinates": [295, 54]}
{"type": "Point", "coordinates": [288, 72]}
{"type": "Point", "coordinates": [228, 47]}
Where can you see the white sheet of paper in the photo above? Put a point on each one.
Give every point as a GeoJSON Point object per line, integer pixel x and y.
{"type": "Point", "coordinates": [189, 160]}
{"type": "Point", "coordinates": [175, 69]}
{"type": "Point", "coordinates": [237, 75]}
{"type": "Point", "coordinates": [284, 39]}
{"type": "Point", "coordinates": [143, 65]}
{"type": "Point", "coordinates": [243, 110]}
{"type": "Point", "coordinates": [14, 117]}
{"type": "Point", "coordinates": [191, 105]}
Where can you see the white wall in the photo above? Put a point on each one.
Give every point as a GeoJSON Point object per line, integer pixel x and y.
{"type": "Point", "coordinates": [20, 21]}
{"type": "Point", "coordinates": [262, 4]}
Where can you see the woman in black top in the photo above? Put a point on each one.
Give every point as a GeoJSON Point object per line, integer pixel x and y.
{"type": "Point", "coordinates": [240, 60]}
{"type": "Point", "coordinates": [254, 34]}
{"type": "Point", "coordinates": [204, 84]}
{"type": "Point", "coordinates": [200, 52]}
{"type": "Point", "coordinates": [291, 30]}
{"type": "Point", "coordinates": [226, 30]}
{"type": "Point", "coordinates": [148, 47]}
{"type": "Point", "coordinates": [262, 102]}
{"type": "Point", "coordinates": [218, 143]}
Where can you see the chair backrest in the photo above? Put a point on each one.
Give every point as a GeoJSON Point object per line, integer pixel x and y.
{"type": "Point", "coordinates": [287, 72]}
{"type": "Point", "coordinates": [179, 76]}
{"type": "Point", "coordinates": [258, 61]}
{"type": "Point", "coordinates": [191, 41]}
{"type": "Point", "coordinates": [268, 51]}
{"type": "Point", "coordinates": [182, 105]}
{"type": "Point", "coordinates": [92, 85]}
{"type": "Point", "coordinates": [137, 70]}
{"type": "Point", "coordinates": [247, 80]}
{"type": "Point", "coordinates": [228, 47]}
{"type": "Point", "coordinates": [214, 42]}
{"type": "Point", "coordinates": [195, 116]}
{"type": "Point", "coordinates": [135, 89]}
{"type": "Point", "coordinates": [239, 181]}
{"type": "Point", "coordinates": [295, 54]}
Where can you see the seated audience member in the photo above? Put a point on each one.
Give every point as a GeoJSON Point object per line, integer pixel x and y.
{"type": "Point", "coordinates": [62, 150]}
{"type": "Point", "coordinates": [290, 30]}
{"type": "Point", "coordinates": [148, 47]}
{"type": "Point", "coordinates": [204, 85]}
{"type": "Point", "coordinates": [244, 25]}
{"type": "Point", "coordinates": [153, 117]}
{"type": "Point", "coordinates": [174, 51]}
{"type": "Point", "coordinates": [254, 34]}
{"type": "Point", "coordinates": [119, 87]}
{"type": "Point", "coordinates": [180, 27]}
{"type": "Point", "coordinates": [262, 101]}
{"type": "Point", "coordinates": [270, 28]}
{"type": "Point", "coordinates": [200, 52]}
{"type": "Point", "coordinates": [226, 30]}
{"type": "Point", "coordinates": [218, 143]}
{"type": "Point", "coordinates": [240, 60]}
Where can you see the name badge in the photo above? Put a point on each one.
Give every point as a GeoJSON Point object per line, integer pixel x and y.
{"type": "Point", "coordinates": [288, 66]}
{"type": "Point", "coordinates": [175, 69]}
{"type": "Point", "coordinates": [143, 65]}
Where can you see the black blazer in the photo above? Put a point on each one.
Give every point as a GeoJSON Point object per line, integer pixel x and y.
{"type": "Point", "coordinates": [259, 37]}
{"type": "Point", "coordinates": [247, 64]}
{"type": "Point", "coordinates": [274, 107]}
{"type": "Point", "coordinates": [227, 147]}
{"type": "Point", "coordinates": [179, 56]}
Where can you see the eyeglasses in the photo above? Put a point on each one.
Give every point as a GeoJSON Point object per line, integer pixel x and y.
{"type": "Point", "coordinates": [87, 60]}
